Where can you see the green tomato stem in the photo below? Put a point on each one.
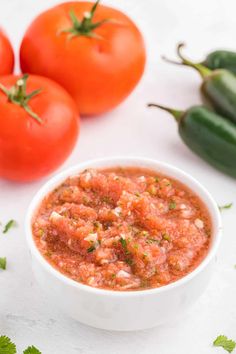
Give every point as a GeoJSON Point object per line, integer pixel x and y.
{"type": "Point", "coordinates": [17, 95]}
{"type": "Point", "coordinates": [86, 26]}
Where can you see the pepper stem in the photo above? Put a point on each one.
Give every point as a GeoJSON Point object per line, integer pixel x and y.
{"type": "Point", "coordinates": [177, 114]}
{"type": "Point", "coordinates": [17, 95]}
{"type": "Point", "coordinates": [86, 26]}
{"type": "Point", "coordinates": [203, 70]}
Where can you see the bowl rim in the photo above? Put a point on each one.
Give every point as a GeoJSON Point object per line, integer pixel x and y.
{"type": "Point", "coordinates": [130, 161]}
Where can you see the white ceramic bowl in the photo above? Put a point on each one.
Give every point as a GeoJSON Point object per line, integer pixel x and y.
{"type": "Point", "coordinates": [124, 310]}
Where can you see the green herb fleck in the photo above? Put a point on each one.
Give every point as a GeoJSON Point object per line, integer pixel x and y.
{"type": "Point", "coordinates": [40, 232]}
{"type": "Point", "coordinates": [96, 224]}
{"type": "Point", "coordinates": [85, 200]}
{"type": "Point", "coordinates": [106, 199]}
{"type": "Point", "coordinates": [31, 350]}
{"type": "Point", "coordinates": [137, 194]}
{"type": "Point", "coordinates": [152, 190]}
{"type": "Point", "coordinates": [166, 237]}
{"type": "Point", "coordinates": [9, 225]}
{"type": "Point", "coordinates": [48, 254]}
{"type": "Point", "coordinates": [124, 245]}
{"type": "Point", "coordinates": [91, 249]}
{"type": "Point", "coordinates": [226, 206]}
{"type": "Point", "coordinates": [157, 179]}
{"type": "Point", "coordinates": [113, 276]}
{"type": "Point", "coordinates": [6, 346]}
{"type": "Point", "coordinates": [152, 240]}
{"type": "Point", "coordinates": [224, 342]}
{"type": "Point", "coordinates": [172, 205]}
{"type": "Point", "coordinates": [3, 264]}
{"type": "Point", "coordinates": [149, 241]}
{"type": "Point", "coordinates": [123, 242]}
{"type": "Point", "coordinates": [144, 283]}
{"type": "Point", "coordinates": [129, 261]}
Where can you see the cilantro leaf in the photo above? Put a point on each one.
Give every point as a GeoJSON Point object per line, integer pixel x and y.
{"type": "Point", "coordinates": [6, 346]}
{"type": "Point", "coordinates": [166, 237]}
{"type": "Point", "coordinates": [91, 249]}
{"type": "Point", "coordinates": [31, 350]}
{"type": "Point", "coordinates": [124, 245]}
{"type": "Point", "coordinates": [172, 205]}
{"type": "Point", "coordinates": [123, 242]}
{"type": "Point", "coordinates": [224, 342]}
{"type": "Point", "coordinates": [3, 264]}
{"type": "Point", "coordinates": [152, 240]}
{"type": "Point", "coordinates": [226, 206]}
{"type": "Point", "coordinates": [9, 225]}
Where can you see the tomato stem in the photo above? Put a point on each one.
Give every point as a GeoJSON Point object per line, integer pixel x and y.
{"type": "Point", "coordinates": [86, 26]}
{"type": "Point", "coordinates": [17, 95]}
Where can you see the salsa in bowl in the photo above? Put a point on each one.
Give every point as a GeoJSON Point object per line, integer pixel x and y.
{"type": "Point", "coordinates": [119, 233]}
{"type": "Point", "coordinates": [122, 228]}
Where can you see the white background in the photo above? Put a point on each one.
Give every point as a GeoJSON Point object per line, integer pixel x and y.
{"type": "Point", "coordinates": [26, 315]}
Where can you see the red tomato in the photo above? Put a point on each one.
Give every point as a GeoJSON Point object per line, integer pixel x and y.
{"type": "Point", "coordinates": [98, 67]}
{"type": "Point", "coordinates": [6, 55]}
{"type": "Point", "coordinates": [37, 138]}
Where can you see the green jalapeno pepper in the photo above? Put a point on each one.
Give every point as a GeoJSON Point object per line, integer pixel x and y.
{"type": "Point", "coordinates": [221, 59]}
{"type": "Point", "coordinates": [218, 87]}
{"type": "Point", "coordinates": [208, 135]}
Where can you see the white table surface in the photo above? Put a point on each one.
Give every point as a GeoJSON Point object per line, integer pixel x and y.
{"type": "Point", "coordinates": [26, 315]}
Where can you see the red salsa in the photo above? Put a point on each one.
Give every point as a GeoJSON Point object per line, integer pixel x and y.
{"type": "Point", "coordinates": [122, 229]}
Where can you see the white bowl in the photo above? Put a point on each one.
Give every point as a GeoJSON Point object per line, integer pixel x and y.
{"type": "Point", "coordinates": [124, 310]}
